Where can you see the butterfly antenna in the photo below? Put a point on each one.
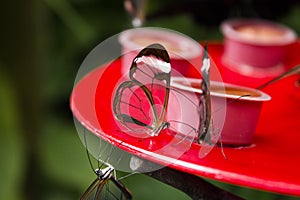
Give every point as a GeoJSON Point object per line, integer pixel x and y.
{"type": "Point", "coordinates": [184, 96]}
{"type": "Point", "coordinates": [222, 149]}
{"type": "Point", "coordinates": [87, 151]}
{"type": "Point", "coordinates": [106, 161]}
{"type": "Point", "coordinates": [99, 154]}
{"type": "Point", "coordinates": [221, 143]}
{"type": "Point", "coordinates": [120, 158]}
{"type": "Point", "coordinates": [231, 101]}
{"type": "Point", "coordinates": [111, 151]}
{"type": "Point", "coordinates": [205, 50]}
{"type": "Point", "coordinates": [101, 151]}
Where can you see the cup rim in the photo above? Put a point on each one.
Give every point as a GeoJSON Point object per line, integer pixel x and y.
{"type": "Point", "coordinates": [175, 82]}
{"type": "Point", "coordinates": [227, 28]}
{"type": "Point", "coordinates": [180, 39]}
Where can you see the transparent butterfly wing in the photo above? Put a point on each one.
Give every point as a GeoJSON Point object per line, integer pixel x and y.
{"type": "Point", "coordinates": [151, 69]}
{"type": "Point", "coordinates": [207, 135]}
{"type": "Point", "coordinates": [114, 190]}
{"type": "Point", "coordinates": [93, 190]}
{"type": "Point", "coordinates": [140, 103]}
{"type": "Point", "coordinates": [153, 75]}
{"type": "Point", "coordinates": [179, 114]}
{"type": "Point", "coordinates": [133, 109]}
{"type": "Point", "coordinates": [184, 136]}
{"type": "Point", "coordinates": [106, 189]}
{"type": "Point", "coordinates": [124, 192]}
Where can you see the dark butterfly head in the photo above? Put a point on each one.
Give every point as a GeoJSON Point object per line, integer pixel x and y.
{"type": "Point", "coordinates": [154, 52]}
{"type": "Point", "coordinates": [105, 173]}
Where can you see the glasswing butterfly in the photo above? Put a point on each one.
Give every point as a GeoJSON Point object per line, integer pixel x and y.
{"type": "Point", "coordinates": [106, 185]}
{"type": "Point", "coordinates": [205, 124]}
{"type": "Point", "coordinates": [140, 104]}
{"type": "Point", "coordinates": [148, 89]}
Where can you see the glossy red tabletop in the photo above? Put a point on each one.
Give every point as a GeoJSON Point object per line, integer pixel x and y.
{"type": "Point", "coordinates": [272, 163]}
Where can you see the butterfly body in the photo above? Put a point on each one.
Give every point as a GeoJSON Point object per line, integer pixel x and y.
{"type": "Point", "coordinates": [205, 125]}
{"type": "Point", "coordinates": [103, 177]}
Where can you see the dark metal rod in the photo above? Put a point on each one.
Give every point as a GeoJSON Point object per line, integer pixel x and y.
{"type": "Point", "coordinates": [193, 186]}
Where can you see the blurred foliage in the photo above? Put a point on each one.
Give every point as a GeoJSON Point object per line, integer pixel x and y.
{"type": "Point", "coordinates": [10, 142]}
{"type": "Point", "coordinates": [65, 31]}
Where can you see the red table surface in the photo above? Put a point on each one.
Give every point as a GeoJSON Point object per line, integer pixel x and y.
{"type": "Point", "coordinates": [272, 163]}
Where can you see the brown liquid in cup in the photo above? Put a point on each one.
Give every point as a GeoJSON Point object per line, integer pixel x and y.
{"type": "Point", "coordinates": [258, 32]}
{"type": "Point", "coordinates": [225, 90]}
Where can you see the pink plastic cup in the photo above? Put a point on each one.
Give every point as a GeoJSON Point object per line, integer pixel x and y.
{"type": "Point", "coordinates": [253, 45]}
{"type": "Point", "coordinates": [235, 115]}
{"type": "Point", "coordinates": [183, 50]}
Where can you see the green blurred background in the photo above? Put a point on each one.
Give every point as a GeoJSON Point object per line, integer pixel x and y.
{"type": "Point", "coordinates": [43, 43]}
